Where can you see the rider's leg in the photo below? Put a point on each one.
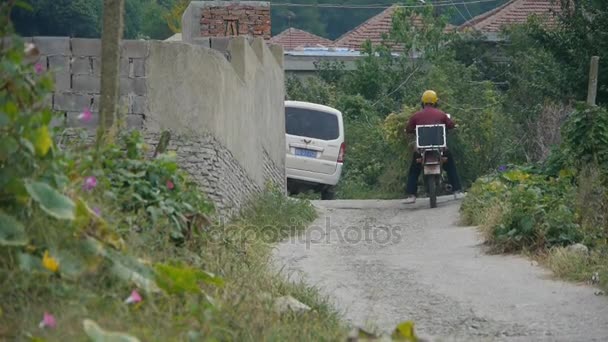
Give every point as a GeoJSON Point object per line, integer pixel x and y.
{"type": "Point", "coordinates": [412, 179]}
{"type": "Point", "coordinates": [450, 168]}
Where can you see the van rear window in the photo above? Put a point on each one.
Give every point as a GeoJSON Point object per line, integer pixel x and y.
{"type": "Point", "coordinates": [311, 123]}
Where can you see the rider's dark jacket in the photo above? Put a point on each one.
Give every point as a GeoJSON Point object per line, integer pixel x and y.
{"type": "Point", "coordinates": [428, 116]}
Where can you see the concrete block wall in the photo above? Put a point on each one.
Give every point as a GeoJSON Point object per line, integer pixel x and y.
{"type": "Point", "coordinates": [223, 105]}
{"type": "Point", "coordinates": [75, 64]}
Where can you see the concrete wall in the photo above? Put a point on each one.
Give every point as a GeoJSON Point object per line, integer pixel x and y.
{"type": "Point", "coordinates": [223, 107]}
{"type": "Point", "coordinates": [238, 104]}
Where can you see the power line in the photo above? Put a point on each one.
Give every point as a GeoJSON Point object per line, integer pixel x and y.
{"type": "Point", "coordinates": [383, 6]}
{"type": "Point", "coordinates": [469, 12]}
{"type": "Point", "coordinates": [456, 7]}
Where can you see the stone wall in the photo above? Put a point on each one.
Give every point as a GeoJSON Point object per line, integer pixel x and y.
{"type": "Point", "coordinates": [203, 19]}
{"type": "Point", "coordinates": [225, 115]}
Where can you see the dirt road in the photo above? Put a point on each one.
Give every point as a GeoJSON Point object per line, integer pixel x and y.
{"type": "Point", "coordinates": [382, 262]}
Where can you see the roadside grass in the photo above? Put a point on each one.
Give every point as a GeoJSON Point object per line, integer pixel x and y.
{"type": "Point", "coordinates": [539, 217]}
{"type": "Point", "coordinates": [353, 189]}
{"type": "Point", "coordinates": [238, 252]}
{"type": "Point", "coordinates": [578, 267]}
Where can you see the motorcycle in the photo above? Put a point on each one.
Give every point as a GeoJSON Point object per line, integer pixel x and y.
{"type": "Point", "coordinates": [431, 143]}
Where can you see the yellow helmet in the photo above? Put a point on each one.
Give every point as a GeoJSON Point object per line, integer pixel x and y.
{"type": "Point", "coordinates": [429, 97]}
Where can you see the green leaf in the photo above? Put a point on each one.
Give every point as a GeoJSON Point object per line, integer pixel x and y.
{"type": "Point", "coordinates": [97, 334]}
{"type": "Point", "coordinates": [8, 146]}
{"type": "Point", "coordinates": [30, 263]}
{"type": "Point", "coordinates": [28, 145]}
{"type": "Point", "coordinates": [24, 5]}
{"type": "Point", "coordinates": [61, 180]}
{"type": "Point", "coordinates": [71, 266]}
{"type": "Point", "coordinates": [527, 225]}
{"type": "Point", "coordinates": [182, 278]}
{"type": "Point", "coordinates": [11, 109]}
{"type": "Point", "coordinates": [125, 267]}
{"type": "Point", "coordinates": [12, 232]}
{"type": "Point", "coordinates": [4, 120]}
{"type": "Point", "coordinates": [50, 200]}
{"type": "Point", "coordinates": [42, 140]}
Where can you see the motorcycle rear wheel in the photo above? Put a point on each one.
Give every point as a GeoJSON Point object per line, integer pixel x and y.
{"type": "Point", "coordinates": [432, 188]}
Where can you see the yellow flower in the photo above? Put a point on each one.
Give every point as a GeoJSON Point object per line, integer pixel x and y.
{"type": "Point", "coordinates": [50, 263]}
{"type": "Point", "coordinates": [405, 332]}
{"type": "Point", "coordinates": [42, 141]}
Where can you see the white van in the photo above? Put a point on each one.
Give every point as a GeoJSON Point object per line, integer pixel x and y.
{"type": "Point", "coordinates": [315, 147]}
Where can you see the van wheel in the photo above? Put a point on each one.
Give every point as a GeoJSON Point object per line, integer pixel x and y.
{"type": "Point", "coordinates": [328, 194]}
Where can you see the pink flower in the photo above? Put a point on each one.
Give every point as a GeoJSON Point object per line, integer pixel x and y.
{"type": "Point", "coordinates": [97, 211]}
{"type": "Point", "coordinates": [48, 321]}
{"type": "Point", "coordinates": [39, 69]}
{"type": "Point", "coordinates": [133, 298]}
{"type": "Point", "coordinates": [89, 183]}
{"type": "Point", "coordinates": [86, 115]}
{"type": "Point", "coordinates": [170, 185]}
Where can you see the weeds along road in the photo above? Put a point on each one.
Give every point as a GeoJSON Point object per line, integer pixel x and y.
{"type": "Point", "coordinates": [383, 262]}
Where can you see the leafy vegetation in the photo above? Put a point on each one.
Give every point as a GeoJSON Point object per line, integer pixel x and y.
{"type": "Point", "coordinates": [384, 91]}
{"type": "Point", "coordinates": [538, 209]}
{"type": "Point", "coordinates": [82, 18]}
{"type": "Point", "coordinates": [98, 241]}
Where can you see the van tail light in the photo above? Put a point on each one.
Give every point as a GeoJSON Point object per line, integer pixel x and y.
{"type": "Point", "coordinates": [341, 153]}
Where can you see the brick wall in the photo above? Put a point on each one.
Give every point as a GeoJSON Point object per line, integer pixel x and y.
{"type": "Point", "coordinates": [234, 19]}
{"type": "Point", "coordinates": [205, 19]}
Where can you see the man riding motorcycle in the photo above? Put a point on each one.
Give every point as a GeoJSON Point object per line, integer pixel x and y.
{"type": "Point", "coordinates": [430, 115]}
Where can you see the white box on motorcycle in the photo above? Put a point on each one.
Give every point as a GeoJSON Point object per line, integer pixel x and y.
{"type": "Point", "coordinates": [431, 136]}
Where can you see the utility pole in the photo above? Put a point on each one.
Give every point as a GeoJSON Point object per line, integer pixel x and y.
{"type": "Point", "coordinates": [593, 74]}
{"type": "Point", "coordinates": [110, 64]}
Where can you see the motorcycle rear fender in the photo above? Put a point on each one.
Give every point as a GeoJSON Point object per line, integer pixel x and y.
{"type": "Point", "coordinates": [431, 157]}
{"type": "Point", "coordinates": [432, 169]}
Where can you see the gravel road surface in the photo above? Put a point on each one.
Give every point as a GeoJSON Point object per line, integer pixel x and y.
{"type": "Point", "coordinates": [382, 262]}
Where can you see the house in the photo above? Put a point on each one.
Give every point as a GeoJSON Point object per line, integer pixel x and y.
{"type": "Point", "coordinates": [311, 48]}
{"type": "Point", "coordinates": [294, 39]}
{"type": "Point", "coordinates": [513, 12]}
{"type": "Point", "coordinates": [373, 29]}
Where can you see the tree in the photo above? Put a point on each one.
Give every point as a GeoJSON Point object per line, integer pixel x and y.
{"type": "Point", "coordinates": [155, 26]}
{"type": "Point", "coordinates": [110, 66]}
{"type": "Point", "coordinates": [174, 16]}
{"type": "Point", "coordinates": [74, 18]}
{"type": "Point", "coordinates": [82, 18]}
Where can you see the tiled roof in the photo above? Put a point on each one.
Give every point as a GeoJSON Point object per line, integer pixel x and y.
{"type": "Point", "coordinates": [373, 29]}
{"type": "Point", "coordinates": [514, 12]}
{"type": "Point", "coordinates": [293, 38]}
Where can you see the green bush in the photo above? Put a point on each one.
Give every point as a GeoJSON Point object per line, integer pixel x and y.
{"type": "Point", "coordinates": [30, 173]}
{"type": "Point", "coordinates": [537, 211]}
{"type": "Point", "coordinates": [155, 188]}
